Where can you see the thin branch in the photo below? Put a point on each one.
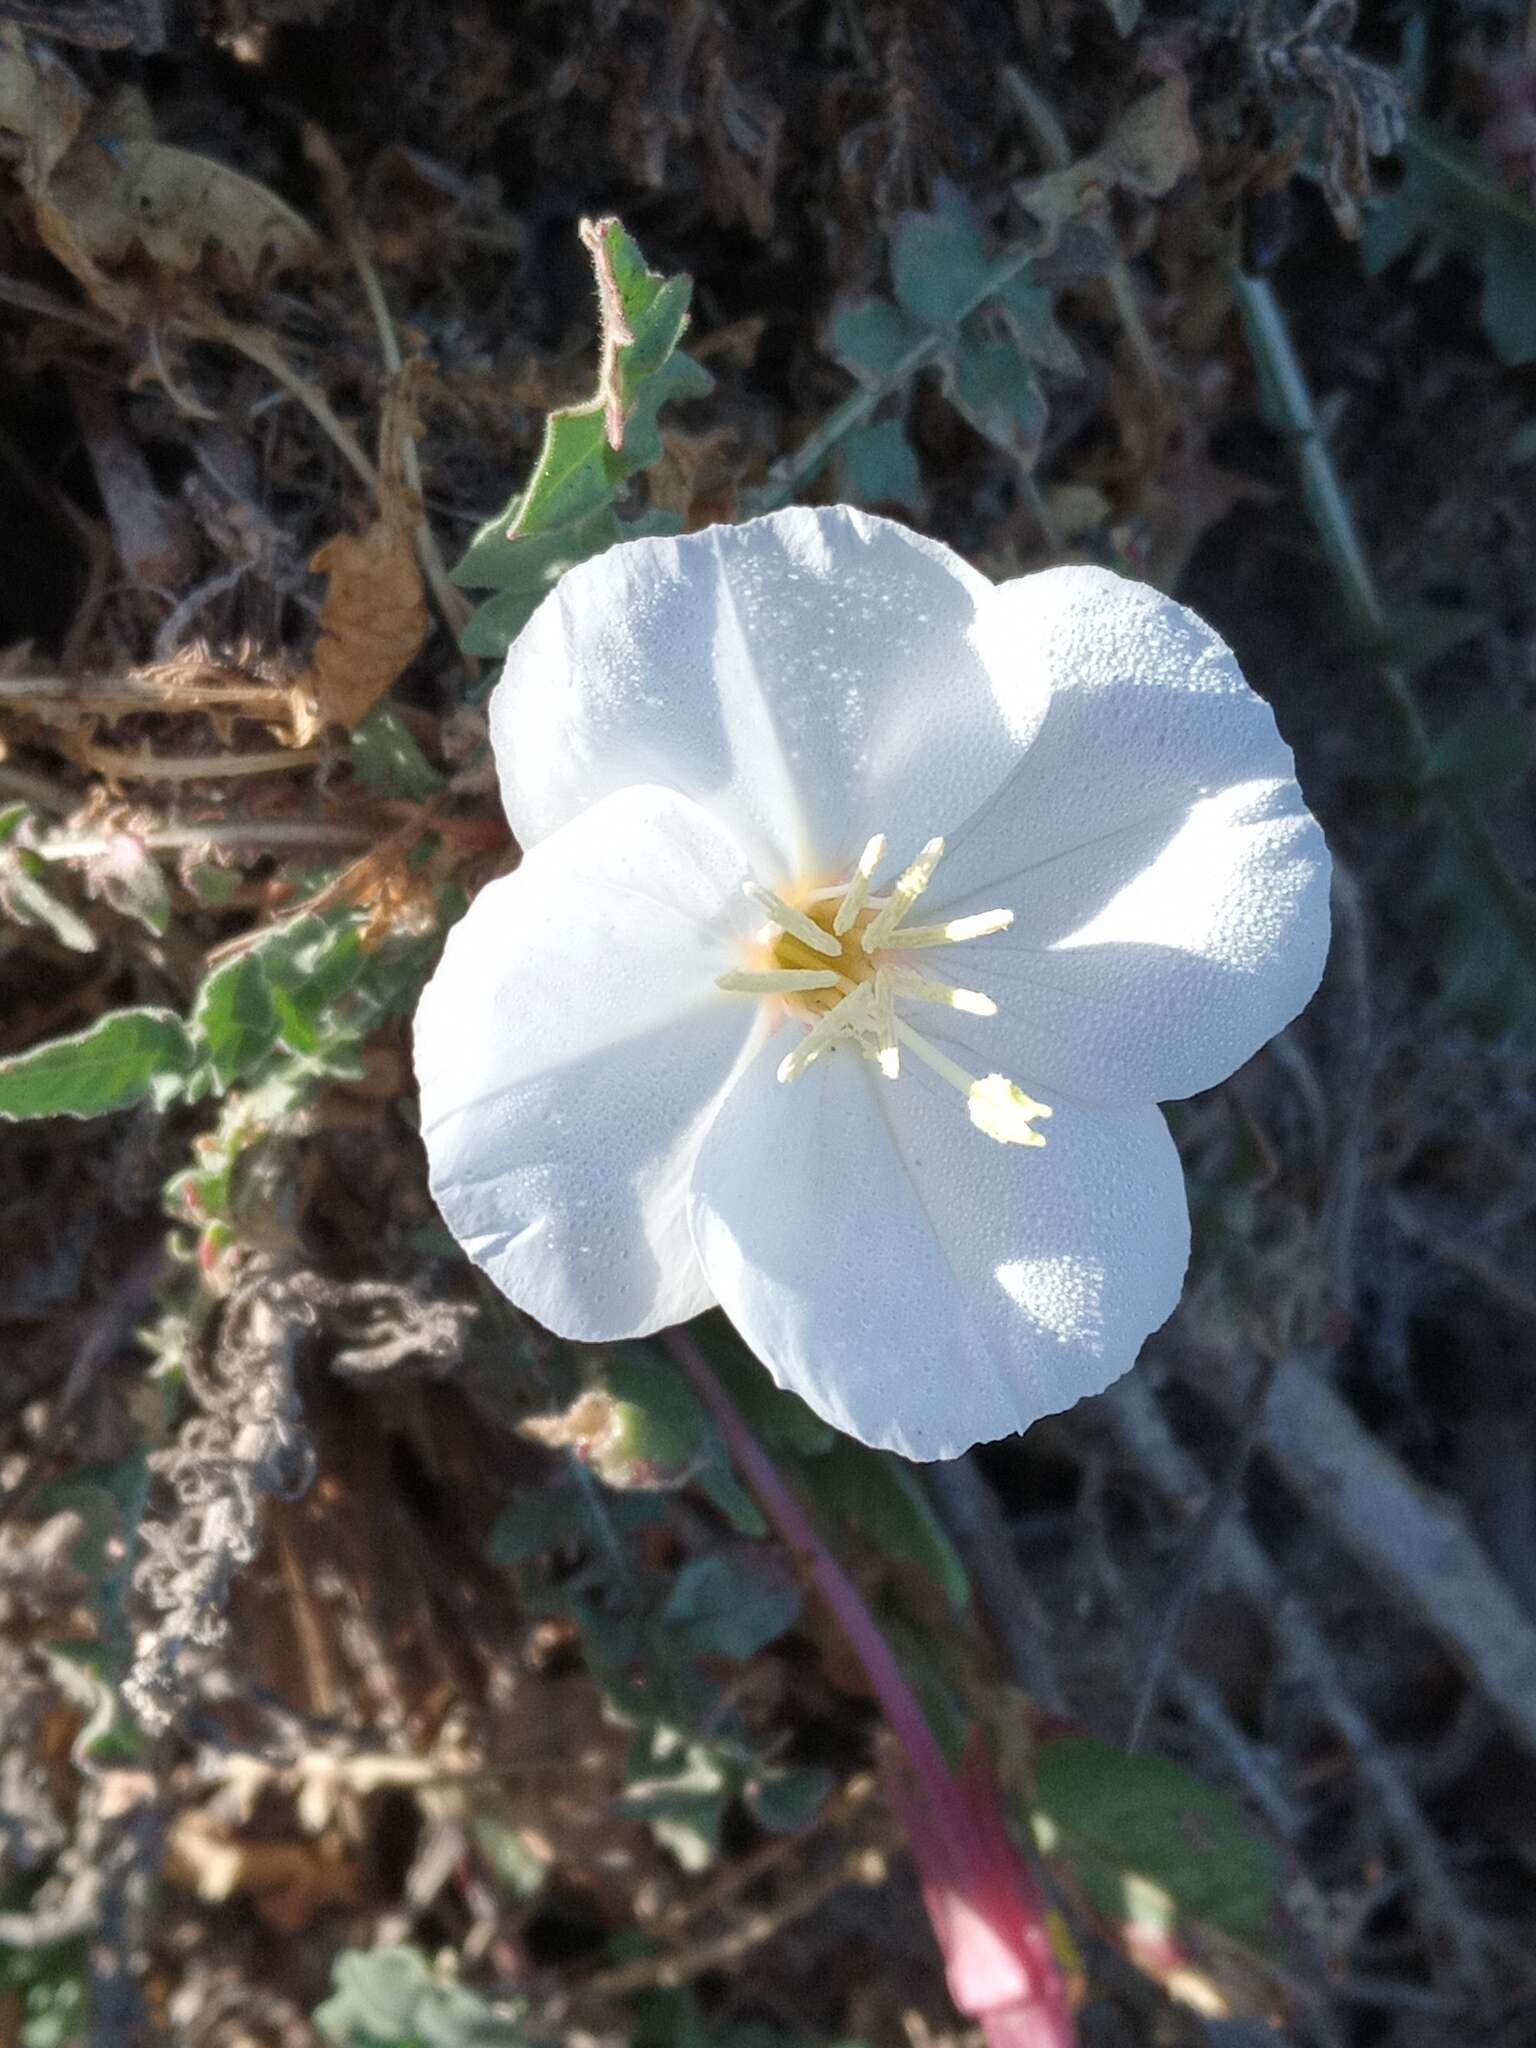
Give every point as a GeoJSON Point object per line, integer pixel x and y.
{"type": "Point", "coordinates": [261, 833]}
{"type": "Point", "coordinates": [122, 764]}
{"type": "Point", "coordinates": [865, 1864]}
{"type": "Point", "coordinates": [1191, 1570]}
{"type": "Point", "coordinates": [1241, 1562]}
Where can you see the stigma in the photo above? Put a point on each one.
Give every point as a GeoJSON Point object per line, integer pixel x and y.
{"type": "Point", "coordinates": [839, 960]}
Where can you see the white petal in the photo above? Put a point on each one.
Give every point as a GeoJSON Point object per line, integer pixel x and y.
{"type": "Point", "coordinates": [572, 1048]}
{"type": "Point", "coordinates": [1169, 886]}
{"type": "Point", "coordinates": [811, 676]}
{"type": "Point", "coordinates": [922, 1286]}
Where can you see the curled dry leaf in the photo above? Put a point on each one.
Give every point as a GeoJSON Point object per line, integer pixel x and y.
{"type": "Point", "coordinates": [290, 1882]}
{"type": "Point", "coordinates": [101, 186]}
{"type": "Point", "coordinates": [374, 618]}
{"type": "Point", "coordinates": [1147, 152]}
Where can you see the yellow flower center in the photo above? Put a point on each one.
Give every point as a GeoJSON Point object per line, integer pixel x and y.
{"type": "Point", "coordinates": [850, 962]}
{"type": "Point", "coordinates": [834, 959]}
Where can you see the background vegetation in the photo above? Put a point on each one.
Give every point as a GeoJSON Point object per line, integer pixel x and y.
{"type": "Point", "coordinates": [376, 1670]}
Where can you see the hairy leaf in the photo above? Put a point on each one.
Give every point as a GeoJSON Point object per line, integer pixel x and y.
{"type": "Point", "coordinates": [567, 512]}
{"type": "Point", "coordinates": [116, 1062]}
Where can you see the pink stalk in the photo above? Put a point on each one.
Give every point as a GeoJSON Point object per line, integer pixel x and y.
{"type": "Point", "coordinates": [985, 1905]}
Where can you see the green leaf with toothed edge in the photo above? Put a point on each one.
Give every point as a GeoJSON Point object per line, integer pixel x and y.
{"type": "Point", "coordinates": [567, 511]}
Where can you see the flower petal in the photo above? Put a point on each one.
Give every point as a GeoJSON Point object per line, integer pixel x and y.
{"type": "Point", "coordinates": [1169, 886]}
{"type": "Point", "coordinates": [811, 676]}
{"type": "Point", "coordinates": [572, 1048]}
{"type": "Point", "coordinates": [921, 1286]}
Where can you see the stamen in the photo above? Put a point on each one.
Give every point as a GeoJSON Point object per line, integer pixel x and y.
{"type": "Point", "coordinates": [858, 889]}
{"type": "Point", "coordinates": [909, 886]}
{"type": "Point", "coordinates": [775, 981]}
{"type": "Point", "coordinates": [998, 1106]}
{"type": "Point", "coordinates": [914, 937]}
{"type": "Point", "coordinates": [888, 1052]}
{"type": "Point", "coordinates": [1002, 1109]}
{"type": "Point", "coordinates": [791, 920]}
{"type": "Point", "coordinates": [841, 1020]}
{"type": "Point", "coordinates": [921, 990]}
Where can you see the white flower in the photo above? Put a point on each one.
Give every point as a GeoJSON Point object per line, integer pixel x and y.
{"type": "Point", "coordinates": [867, 912]}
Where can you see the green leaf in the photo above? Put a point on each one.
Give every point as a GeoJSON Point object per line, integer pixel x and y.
{"type": "Point", "coordinates": [25, 898]}
{"type": "Point", "coordinates": [566, 513]}
{"type": "Point", "coordinates": [497, 623]}
{"type": "Point", "coordinates": [731, 1604]}
{"type": "Point", "coordinates": [543, 1519]}
{"type": "Point", "coordinates": [882, 1497]}
{"type": "Point", "coordinates": [939, 267]}
{"type": "Point", "coordinates": [390, 1998]}
{"type": "Point", "coordinates": [1418, 634]}
{"type": "Point", "coordinates": [538, 560]}
{"type": "Point", "coordinates": [1030, 312]}
{"type": "Point", "coordinates": [996, 388]}
{"type": "Point", "coordinates": [281, 991]}
{"type": "Point", "coordinates": [679, 377]}
{"type": "Point", "coordinates": [786, 1800]}
{"type": "Point", "coordinates": [234, 1020]}
{"type": "Point", "coordinates": [874, 338]}
{"type": "Point", "coordinates": [1446, 179]}
{"type": "Point", "coordinates": [1484, 754]}
{"type": "Point", "coordinates": [109, 1501]}
{"type": "Point", "coordinates": [1481, 975]}
{"type": "Point", "coordinates": [780, 1421]}
{"type": "Point", "coordinates": [385, 756]}
{"type": "Point", "coordinates": [1144, 1817]}
{"type": "Point", "coordinates": [879, 467]}
{"type": "Point", "coordinates": [1509, 289]}
{"type": "Point", "coordinates": [682, 1789]}
{"type": "Point", "coordinates": [113, 1064]}
{"type": "Point", "coordinates": [518, 1867]}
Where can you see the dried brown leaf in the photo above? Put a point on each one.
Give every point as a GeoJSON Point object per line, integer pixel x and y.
{"type": "Point", "coordinates": [374, 619]}
{"type": "Point", "coordinates": [1147, 153]}
{"type": "Point", "coordinates": [289, 1882]}
{"type": "Point", "coordinates": [103, 187]}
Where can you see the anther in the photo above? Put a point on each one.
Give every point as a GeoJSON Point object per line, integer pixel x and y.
{"type": "Point", "coordinates": [920, 989]}
{"type": "Point", "coordinates": [840, 1021]}
{"type": "Point", "coordinates": [998, 1107]}
{"type": "Point", "coordinates": [912, 938]}
{"type": "Point", "coordinates": [909, 886]}
{"type": "Point", "coordinates": [791, 920]}
{"type": "Point", "coordinates": [775, 981]}
{"type": "Point", "coordinates": [858, 889]}
{"type": "Point", "coordinates": [888, 1052]}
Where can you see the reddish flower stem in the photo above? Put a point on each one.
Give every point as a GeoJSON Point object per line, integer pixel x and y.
{"type": "Point", "coordinates": [985, 1905]}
